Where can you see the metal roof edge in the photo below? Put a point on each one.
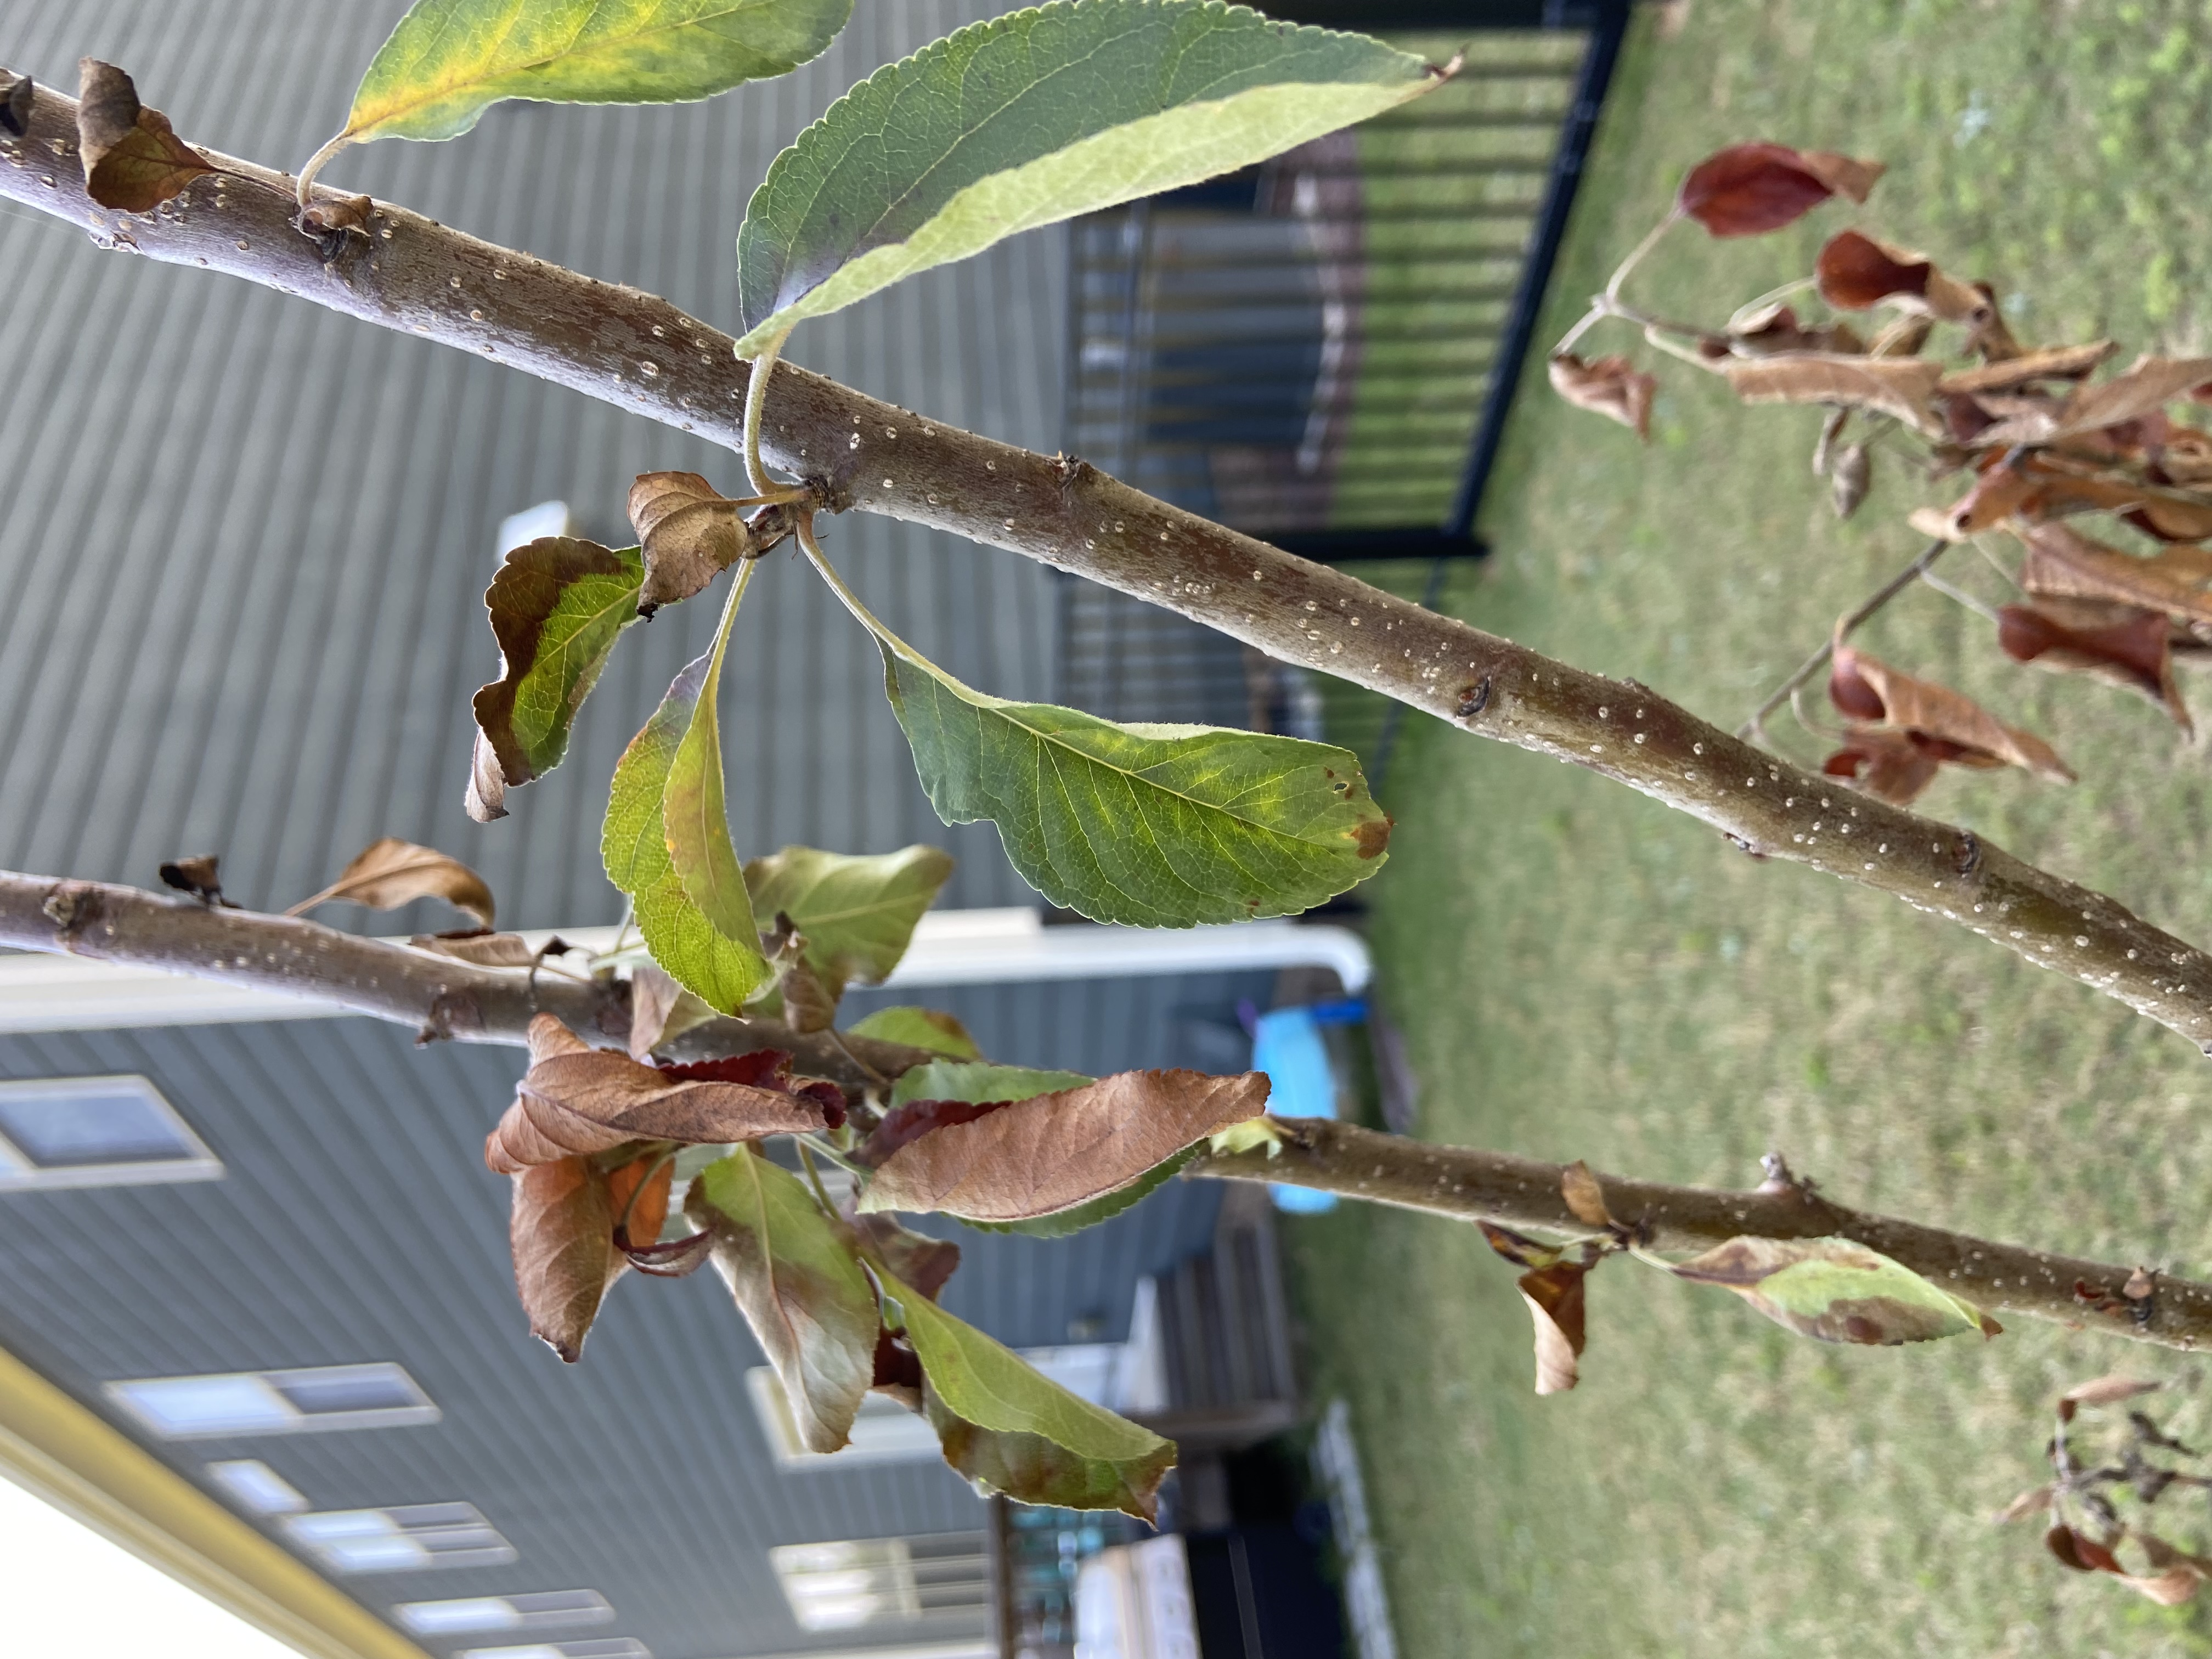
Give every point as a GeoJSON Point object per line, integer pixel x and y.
{"type": "Point", "coordinates": [60, 1451]}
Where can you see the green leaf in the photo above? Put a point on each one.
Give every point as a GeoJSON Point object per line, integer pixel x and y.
{"type": "Point", "coordinates": [557, 605]}
{"type": "Point", "coordinates": [858, 913]}
{"type": "Point", "coordinates": [1033, 117]}
{"type": "Point", "coordinates": [666, 842]}
{"type": "Point", "coordinates": [1010, 1429]}
{"type": "Point", "coordinates": [450, 59]}
{"type": "Point", "coordinates": [1154, 826]}
{"type": "Point", "coordinates": [919, 1028]}
{"type": "Point", "coordinates": [797, 1277]}
{"type": "Point", "coordinates": [1836, 1290]}
{"type": "Point", "coordinates": [980, 1082]}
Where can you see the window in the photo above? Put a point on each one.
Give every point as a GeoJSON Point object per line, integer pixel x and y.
{"type": "Point", "coordinates": [615, 1647]}
{"type": "Point", "coordinates": [885, 1581]}
{"type": "Point", "coordinates": [96, 1131]}
{"type": "Point", "coordinates": [324, 1397]}
{"type": "Point", "coordinates": [403, 1539]}
{"type": "Point", "coordinates": [543, 1610]}
{"type": "Point", "coordinates": [253, 1485]}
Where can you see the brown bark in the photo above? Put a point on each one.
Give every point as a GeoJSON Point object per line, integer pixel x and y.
{"type": "Point", "coordinates": [406, 272]}
{"type": "Point", "coordinates": [441, 997]}
{"type": "Point", "coordinates": [1522, 1192]}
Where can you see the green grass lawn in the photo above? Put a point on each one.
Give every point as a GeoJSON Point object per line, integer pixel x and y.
{"type": "Point", "coordinates": [1582, 973]}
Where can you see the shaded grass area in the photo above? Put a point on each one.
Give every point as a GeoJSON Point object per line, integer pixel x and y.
{"type": "Point", "coordinates": [1581, 973]}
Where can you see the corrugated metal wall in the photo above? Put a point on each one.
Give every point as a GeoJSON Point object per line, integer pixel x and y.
{"type": "Point", "coordinates": [245, 541]}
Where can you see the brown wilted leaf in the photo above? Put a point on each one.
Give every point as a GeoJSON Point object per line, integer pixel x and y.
{"type": "Point", "coordinates": [196, 876]}
{"type": "Point", "coordinates": [2122, 645]}
{"type": "Point", "coordinates": [1774, 328]}
{"type": "Point", "coordinates": [1585, 1197]}
{"type": "Point", "coordinates": [578, 1099]}
{"type": "Point", "coordinates": [1854, 272]}
{"type": "Point", "coordinates": [2000, 491]}
{"type": "Point", "coordinates": [1054, 1151]}
{"type": "Point", "coordinates": [16, 104]}
{"type": "Point", "coordinates": [1517, 1247]}
{"type": "Point", "coordinates": [914, 1259]}
{"type": "Point", "coordinates": [1836, 1290]}
{"type": "Point", "coordinates": [1903, 335]}
{"type": "Point", "coordinates": [1870, 690]}
{"type": "Point", "coordinates": [1848, 482]}
{"type": "Point", "coordinates": [2081, 1552]}
{"type": "Point", "coordinates": [2036, 1500]}
{"type": "Point", "coordinates": [1891, 766]}
{"type": "Point", "coordinates": [485, 948]}
{"type": "Point", "coordinates": [2103, 1391]}
{"type": "Point", "coordinates": [1611, 387]}
{"type": "Point", "coordinates": [690, 531]}
{"type": "Point", "coordinates": [2049, 363]}
{"type": "Point", "coordinates": [561, 1232]}
{"type": "Point", "coordinates": [2062, 562]}
{"type": "Point", "coordinates": [1555, 1298]}
{"type": "Point", "coordinates": [133, 162]}
{"type": "Point", "coordinates": [1899, 386]}
{"type": "Point", "coordinates": [661, 1011]}
{"type": "Point", "coordinates": [2146, 385]}
{"type": "Point", "coordinates": [388, 873]}
{"type": "Point", "coordinates": [1746, 189]}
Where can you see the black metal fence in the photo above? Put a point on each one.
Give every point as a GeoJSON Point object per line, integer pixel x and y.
{"type": "Point", "coordinates": [1322, 350]}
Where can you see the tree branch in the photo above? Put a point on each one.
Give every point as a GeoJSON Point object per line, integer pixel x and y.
{"type": "Point", "coordinates": [405, 272]}
{"type": "Point", "coordinates": [1520, 1192]}
{"type": "Point", "coordinates": [438, 995]}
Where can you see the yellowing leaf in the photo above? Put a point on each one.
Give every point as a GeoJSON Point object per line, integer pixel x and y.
{"type": "Point", "coordinates": [1835, 1290]}
{"type": "Point", "coordinates": [1033, 117]}
{"type": "Point", "coordinates": [390, 872]}
{"type": "Point", "coordinates": [797, 1279]}
{"type": "Point", "coordinates": [133, 161]}
{"type": "Point", "coordinates": [919, 1028]}
{"type": "Point", "coordinates": [1009, 1428]}
{"type": "Point", "coordinates": [448, 59]}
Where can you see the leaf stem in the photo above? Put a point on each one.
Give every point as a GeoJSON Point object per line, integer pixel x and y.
{"type": "Point", "coordinates": [1636, 254]}
{"type": "Point", "coordinates": [756, 378]}
{"type": "Point", "coordinates": [1959, 595]}
{"type": "Point", "coordinates": [304, 189]}
{"type": "Point", "coordinates": [1755, 729]}
{"type": "Point", "coordinates": [814, 1175]}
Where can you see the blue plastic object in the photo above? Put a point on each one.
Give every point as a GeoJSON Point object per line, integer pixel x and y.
{"type": "Point", "coordinates": [1286, 1045]}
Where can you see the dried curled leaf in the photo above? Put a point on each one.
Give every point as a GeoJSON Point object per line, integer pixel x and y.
{"type": "Point", "coordinates": [1773, 329]}
{"type": "Point", "coordinates": [2049, 363]}
{"type": "Point", "coordinates": [557, 606]}
{"type": "Point", "coordinates": [1848, 482]}
{"type": "Point", "coordinates": [578, 1099]}
{"type": "Point", "coordinates": [562, 1233]}
{"type": "Point", "coordinates": [1611, 387]}
{"type": "Point", "coordinates": [1749, 189]}
{"type": "Point", "coordinates": [1054, 1151]}
{"type": "Point", "coordinates": [196, 876]}
{"type": "Point", "coordinates": [2108, 1390]}
{"type": "Point", "coordinates": [1519, 1248]}
{"type": "Point", "coordinates": [133, 161]}
{"type": "Point", "coordinates": [1899, 386]}
{"type": "Point", "coordinates": [2122, 645]}
{"type": "Point", "coordinates": [1891, 766]}
{"type": "Point", "coordinates": [690, 533]}
{"type": "Point", "coordinates": [1870, 690]}
{"type": "Point", "coordinates": [1585, 1197]}
{"type": "Point", "coordinates": [486, 949]}
{"type": "Point", "coordinates": [661, 1011]}
{"type": "Point", "coordinates": [2143, 388]}
{"type": "Point", "coordinates": [1555, 1299]}
{"type": "Point", "coordinates": [1854, 272]}
{"type": "Point", "coordinates": [388, 873]}
{"type": "Point", "coordinates": [1836, 1290]}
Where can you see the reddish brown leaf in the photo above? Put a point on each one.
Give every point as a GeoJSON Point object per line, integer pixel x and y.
{"type": "Point", "coordinates": [1866, 688]}
{"type": "Point", "coordinates": [1774, 328]}
{"type": "Point", "coordinates": [2123, 645]}
{"type": "Point", "coordinates": [1900, 386]}
{"type": "Point", "coordinates": [390, 872]}
{"type": "Point", "coordinates": [1891, 766]}
{"type": "Point", "coordinates": [1585, 1197]}
{"type": "Point", "coordinates": [1518, 1248]}
{"type": "Point", "coordinates": [133, 161]}
{"type": "Point", "coordinates": [2000, 491]}
{"type": "Point", "coordinates": [1554, 1295]}
{"type": "Point", "coordinates": [2063, 563]}
{"type": "Point", "coordinates": [1749, 189]}
{"type": "Point", "coordinates": [562, 1232]}
{"type": "Point", "coordinates": [2081, 1552]}
{"type": "Point", "coordinates": [690, 533]}
{"type": "Point", "coordinates": [1611, 387]}
{"type": "Point", "coordinates": [916, 1259]}
{"type": "Point", "coordinates": [1054, 1151]}
{"type": "Point", "coordinates": [1855, 272]}
{"type": "Point", "coordinates": [578, 1099]}
{"type": "Point", "coordinates": [902, 1125]}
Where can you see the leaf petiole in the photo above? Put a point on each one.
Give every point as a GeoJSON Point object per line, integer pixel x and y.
{"type": "Point", "coordinates": [756, 379]}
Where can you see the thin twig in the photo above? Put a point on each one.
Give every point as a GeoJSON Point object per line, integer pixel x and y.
{"type": "Point", "coordinates": [1959, 595]}
{"type": "Point", "coordinates": [1755, 729]}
